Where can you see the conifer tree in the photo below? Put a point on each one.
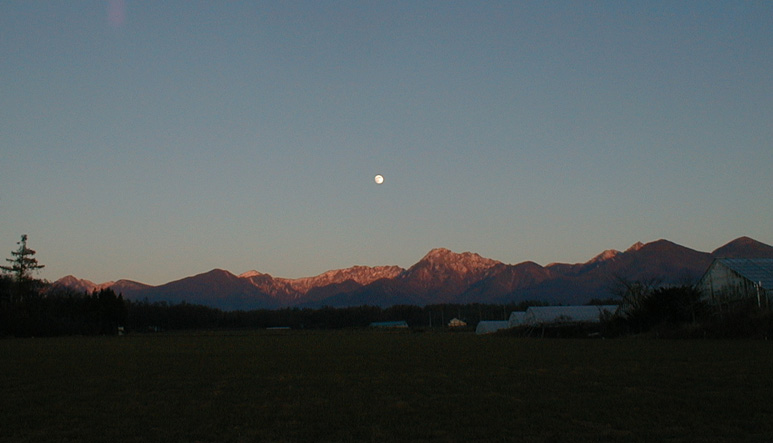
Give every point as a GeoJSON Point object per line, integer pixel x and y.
{"type": "Point", "coordinates": [23, 262]}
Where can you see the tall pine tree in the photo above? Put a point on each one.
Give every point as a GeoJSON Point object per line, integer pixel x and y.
{"type": "Point", "coordinates": [23, 262]}
{"type": "Point", "coordinates": [22, 266]}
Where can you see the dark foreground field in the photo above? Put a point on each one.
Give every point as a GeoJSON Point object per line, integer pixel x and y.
{"type": "Point", "coordinates": [377, 386]}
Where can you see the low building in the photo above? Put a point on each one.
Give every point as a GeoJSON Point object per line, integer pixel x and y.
{"type": "Point", "coordinates": [488, 327]}
{"type": "Point", "coordinates": [456, 323]}
{"type": "Point", "coordinates": [732, 280]}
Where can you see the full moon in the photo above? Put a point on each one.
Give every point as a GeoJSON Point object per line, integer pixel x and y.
{"type": "Point", "coordinates": [379, 179]}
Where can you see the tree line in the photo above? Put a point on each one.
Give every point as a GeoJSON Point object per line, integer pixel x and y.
{"type": "Point", "coordinates": [49, 311]}
{"type": "Point", "coordinates": [147, 316]}
{"type": "Point", "coordinates": [31, 307]}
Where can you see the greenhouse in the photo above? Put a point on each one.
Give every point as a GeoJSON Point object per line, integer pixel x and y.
{"type": "Point", "coordinates": [487, 327]}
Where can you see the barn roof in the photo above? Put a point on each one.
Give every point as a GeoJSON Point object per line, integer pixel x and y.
{"type": "Point", "coordinates": [756, 270]}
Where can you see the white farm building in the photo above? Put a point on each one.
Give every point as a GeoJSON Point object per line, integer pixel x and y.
{"type": "Point", "coordinates": [457, 323]}
{"type": "Point", "coordinates": [731, 280]}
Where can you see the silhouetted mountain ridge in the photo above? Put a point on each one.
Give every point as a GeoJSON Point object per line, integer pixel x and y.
{"type": "Point", "coordinates": [744, 247]}
{"type": "Point", "coordinates": [441, 276]}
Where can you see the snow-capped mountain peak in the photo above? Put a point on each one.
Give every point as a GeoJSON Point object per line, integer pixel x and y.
{"type": "Point", "coordinates": [465, 261]}
{"type": "Point", "coordinates": [252, 273]}
{"type": "Point", "coordinates": [635, 247]}
{"type": "Point", "coordinates": [604, 256]}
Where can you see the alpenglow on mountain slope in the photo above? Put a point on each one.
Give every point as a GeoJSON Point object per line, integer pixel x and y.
{"type": "Point", "coordinates": [441, 276]}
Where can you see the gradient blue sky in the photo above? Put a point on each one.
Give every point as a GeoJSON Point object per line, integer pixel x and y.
{"type": "Point", "coordinates": [154, 140]}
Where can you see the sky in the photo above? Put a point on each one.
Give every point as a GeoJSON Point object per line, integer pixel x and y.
{"type": "Point", "coordinates": [151, 141]}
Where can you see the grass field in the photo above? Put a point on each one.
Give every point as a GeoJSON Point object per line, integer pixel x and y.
{"type": "Point", "coordinates": [379, 386]}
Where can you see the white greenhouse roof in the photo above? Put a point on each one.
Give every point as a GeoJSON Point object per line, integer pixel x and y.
{"type": "Point", "coordinates": [516, 318]}
{"type": "Point", "coordinates": [487, 327]}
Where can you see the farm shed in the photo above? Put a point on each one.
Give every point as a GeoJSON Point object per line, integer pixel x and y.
{"type": "Point", "coordinates": [516, 318]}
{"type": "Point", "coordinates": [541, 315]}
{"type": "Point", "coordinates": [456, 323]}
{"type": "Point", "coordinates": [389, 324]}
{"type": "Point", "coordinates": [731, 280]}
{"type": "Point", "coordinates": [487, 327]}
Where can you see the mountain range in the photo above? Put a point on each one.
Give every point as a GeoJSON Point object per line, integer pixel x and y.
{"type": "Point", "coordinates": [441, 276]}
